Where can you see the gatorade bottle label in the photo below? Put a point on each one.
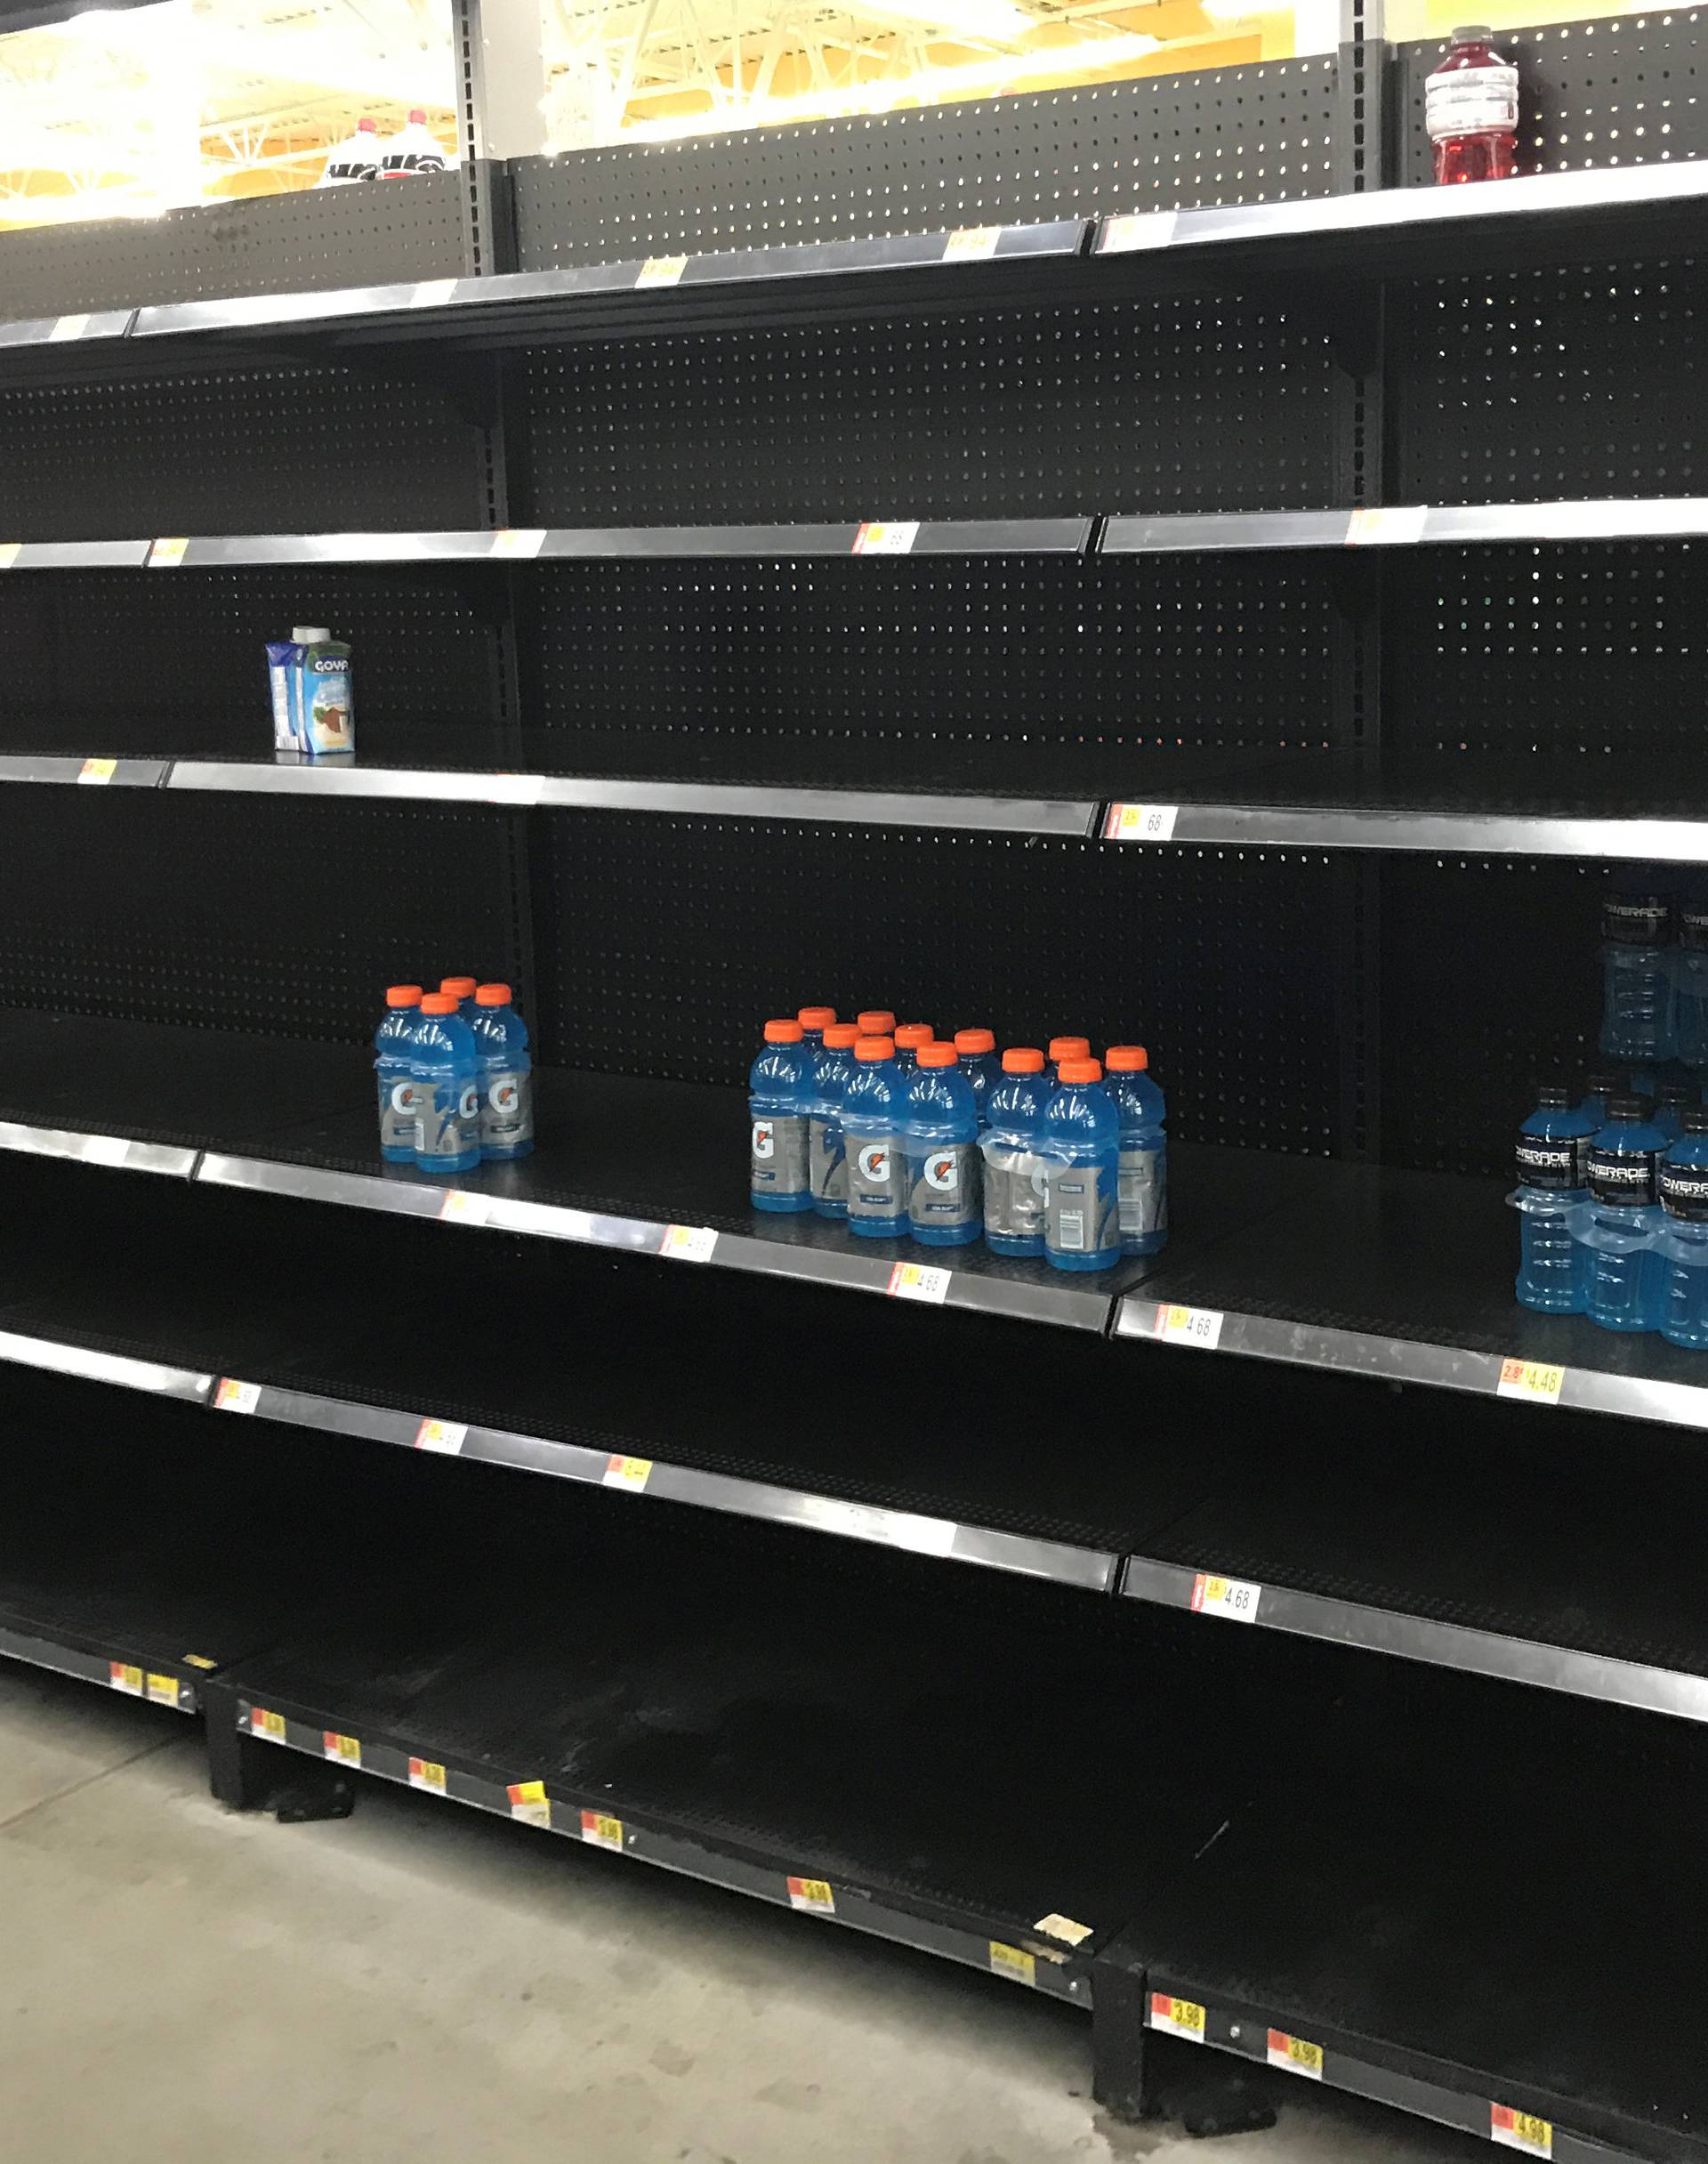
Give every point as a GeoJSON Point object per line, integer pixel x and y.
{"type": "Point", "coordinates": [1082, 1211]}
{"type": "Point", "coordinates": [1624, 1179]}
{"type": "Point", "coordinates": [398, 1113]}
{"type": "Point", "coordinates": [450, 1120]}
{"type": "Point", "coordinates": [507, 1110]}
{"type": "Point", "coordinates": [1684, 1192]}
{"type": "Point", "coordinates": [828, 1161]}
{"type": "Point", "coordinates": [779, 1155]}
{"type": "Point", "coordinates": [877, 1182]}
{"type": "Point", "coordinates": [1144, 1191]}
{"type": "Point", "coordinates": [944, 1185]}
{"type": "Point", "coordinates": [1558, 1166]}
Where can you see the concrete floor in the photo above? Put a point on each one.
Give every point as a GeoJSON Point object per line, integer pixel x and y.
{"type": "Point", "coordinates": [180, 1985]}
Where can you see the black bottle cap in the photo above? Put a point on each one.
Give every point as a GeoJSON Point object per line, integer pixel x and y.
{"type": "Point", "coordinates": [1696, 1119]}
{"type": "Point", "coordinates": [1677, 1093]}
{"type": "Point", "coordinates": [1628, 1106]}
{"type": "Point", "coordinates": [1552, 1096]}
{"type": "Point", "coordinates": [1603, 1083]}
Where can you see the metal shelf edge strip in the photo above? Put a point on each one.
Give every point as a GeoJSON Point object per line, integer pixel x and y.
{"type": "Point", "coordinates": [88, 1668]}
{"type": "Point", "coordinates": [1680, 840]}
{"type": "Point", "coordinates": [61, 1359]}
{"type": "Point", "coordinates": [110, 1149]}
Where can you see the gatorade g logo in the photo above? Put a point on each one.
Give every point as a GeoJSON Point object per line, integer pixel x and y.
{"type": "Point", "coordinates": [403, 1097]}
{"type": "Point", "coordinates": [940, 1172]}
{"type": "Point", "coordinates": [504, 1097]}
{"type": "Point", "coordinates": [875, 1164]}
{"type": "Point", "coordinates": [764, 1139]}
{"type": "Point", "coordinates": [468, 1105]}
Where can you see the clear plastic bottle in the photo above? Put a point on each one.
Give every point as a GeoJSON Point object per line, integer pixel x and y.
{"type": "Point", "coordinates": [826, 1160]}
{"type": "Point", "coordinates": [1013, 1175]}
{"type": "Point", "coordinates": [777, 1100]}
{"type": "Point", "coordinates": [944, 1208]}
{"type": "Point", "coordinates": [446, 1072]}
{"type": "Point", "coordinates": [1471, 110]}
{"type": "Point", "coordinates": [1690, 985]}
{"type": "Point", "coordinates": [1637, 977]}
{"type": "Point", "coordinates": [1670, 1098]}
{"type": "Point", "coordinates": [976, 1050]}
{"type": "Point", "coordinates": [1552, 1162]}
{"type": "Point", "coordinates": [506, 1076]}
{"type": "Point", "coordinates": [1081, 1149]}
{"type": "Point", "coordinates": [1682, 1240]}
{"type": "Point", "coordinates": [356, 158]}
{"type": "Point", "coordinates": [874, 1108]}
{"type": "Point", "coordinates": [1597, 1087]}
{"type": "Point", "coordinates": [392, 1068]}
{"type": "Point", "coordinates": [414, 150]}
{"type": "Point", "coordinates": [1619, 1222]}
{"type": "Point", "coordinates": [1144, 1149]}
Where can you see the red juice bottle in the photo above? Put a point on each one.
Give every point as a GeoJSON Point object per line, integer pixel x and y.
{"type": "Point", "coordinates": [1470, 109]}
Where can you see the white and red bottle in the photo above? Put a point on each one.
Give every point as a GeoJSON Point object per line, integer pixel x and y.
{"type": "Point", "coordinates": [414, 149]}
{"type": "Point", "coordinates": [1470, 109]}
{"type": "Point", "coordinates": [356, 158]}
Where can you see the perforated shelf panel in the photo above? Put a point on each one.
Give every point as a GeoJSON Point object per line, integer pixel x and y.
{"type": "Point", "coordinates": [1248, 134]}
{"type": "Point", "coordinates": [306, 241]}
{"type": "Point", "coordinates": [1223, 403]}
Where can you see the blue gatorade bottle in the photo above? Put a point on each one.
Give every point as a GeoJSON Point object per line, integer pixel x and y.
{"type": "Point", "coordinates": [446, 1072]}
{"type": "Point", "coordinates": [391, 1042]}
{"type": "Point", "coordinates": [1683, 1239]}
{"type": "Point", "coordinates": [1144, 1149]}
{"type": "Point", "coordinates": [1669, 1100]}
{"type": "Point", "coordinates": [944, 1205]}
{"type": "Point", "coordinates": [873, 1106]}
{"type": "Point", "coordinates": [1067, 1048]}
{"type": "Point", "coordinates": [1553, 1163]}
{"type": "Point", "coordinates": [778, 1087]}
{"type": "Point", "coordinates": [1690, 985]}
{"type": "Point", "coordinates": [1619, 1222]}
{"type": "Point", "coordinates": [814, 1022]}
{"type": "Point", "coordinates": [975, 1051]}
{"type": "Point", "coordinates": [907, 1041]}
{"type": "Point", "coordinates": [1597, 1087]}
{"type": "Point", "coordinates": [826, 1162]}
{"type": "Point", "coordinates": [1080, 1148]}
{"type": "Point", "coordinates": [1013, 1178]}
{"type": "Point", "coordinates": [1637, 977]}
{"type": "Point", "coordinates": [463, 990]}
{"type": "Point", "coordinates": [506, 1075]}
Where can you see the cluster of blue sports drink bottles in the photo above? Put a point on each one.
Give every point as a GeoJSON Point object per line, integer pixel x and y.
{"type": "Point", "coordinates": [899, 1134]}
{"type": "Point", "coordinates": [455, 1080]}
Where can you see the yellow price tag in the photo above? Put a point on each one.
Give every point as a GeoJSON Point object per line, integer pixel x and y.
{"type": "Point", "coordinates": [1293, 2055]}
{"type": "Point", "coordinates": [529, 1803]}
{"type": "Point", "coordinates": [98, 770]}
{"type": "Point", "coordinates": [423, 1774]}
{"type": "Point", "coordinates": [1013, 1961]}
{"type": "Point", "coordinates": [124, 1675]}
{"type": "Point", "coordinates": [343, 1750]}
{"type": "Point", "coordinates": [1533, 1380]}
{"type": "Point", "coordinates": [812, 1894]}
{"type": "Point", "coordinates": [163, 1689]}
{"type": "Point", "coordinates": [661, 270]}
{"type": "Point", "coordinates": [269, 1724]}
{"type": "Point", "coordinates": [1520, 2130]}
{"type": "Point", "coordinates": [689, 1243]}
{"type": "Point", "coordinates": [630, 1473]}
{"type": "Point", "coordinates": [972, 243]}
{"type": "Point", "coordinates": [1179, 2017]}
{"type": "Point", "coordinates": [603, 1830]}
{"type": "Point", "coordinates": [886, 537]}
{"type": "Point", "coordinates": [168, 555]}
{"type": "Point", "coordinates": [199, 1660]}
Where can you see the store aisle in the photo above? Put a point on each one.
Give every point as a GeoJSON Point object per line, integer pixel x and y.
{"type": "Point", "coordinates": [180, 1985]}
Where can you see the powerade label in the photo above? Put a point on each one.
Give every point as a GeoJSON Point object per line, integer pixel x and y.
{"type": "Point", "coordinates": [507, 1109]}
{"type": "Point", "coordinates": [945, 1190]}
{"type": "Point", "coordinates": [1693, 924]}
{"type": "Point", "coordinates": [1556, 1165]}
{"type": "Point", "coordinates": [1082, 1210]}
{"type": "Point", "coordinates": [451, 1118]}
{"type": "Point", "coordinates": [1684, 1192]}
{"type": "Point", "coordinates": [877, 1178]}
{"type": "Point", "coordinates": [1626, 1178]}
{"type": "Point", "coordinates": [779, 1155]}
{"type": "Point", "coordinates": [1472, 101]}
{"type": "Point", "coordinates": [398, 1114]}
{"type": "Point", "coordinates": [826, 1161]}
{"type": "Point", "coordinates": [1143, 1191]}
{"type": "Point", "coordinates": [1636, 920]}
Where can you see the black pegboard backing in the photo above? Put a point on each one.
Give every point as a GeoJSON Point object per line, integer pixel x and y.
{"type": "Point", "coordinates": [671, 668]}
{"type": "Point", "coordinates": [665, 944]}
{"type": "Point", "coordinates": [308, 241]}
{"type": "Point", "coordinates": [1491, 977]}
{"type": "Point", "coordinates": [1252, 135]}
{"type": "Point", "coordinates": [1627, 90]}
{"type": "Point", "coordinates": [1579, 655]}
{"type": "Point", "coordinates": [267, 451]}
{"type": "Point", "coordinates": [266, 914]}
{"type": "Point", "coordinates": [1532, 386]}
{"type": "Point", "coordinates": [1209, 403]}
{"type": "Point", "coordinates": [172, 663]}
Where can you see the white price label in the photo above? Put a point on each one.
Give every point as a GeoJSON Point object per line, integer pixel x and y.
{"type": "Point", "coordinates": [689, 1243]}
{"type": "Point", "coordinates": [432, 292]}
{"type": "Point", "coordinates": [235, 1397]}
{"type": "Point", "coordinates": [1395, 526]}
{"type": "Point", "coordinates": [529, 1803]}
{"type": "Point", "coordinates": [919, 1282]}
{"type": "Point", "coordinates": [1146, 229]}
{"type": "Point", "coordinates": [442, 1435]}
{"type": "Point", "coordinates": [886, 537]}
{"type": "Point", "coordinates": [68, 327]}
{"type": "Point", "coordinates": [1181, 2017]}
{"type": "Point", "coordinates": [1189, 1325]}
{"type": "Point", "coordinates": [603, 1830]}
{"type": "Point", "coordinates": [168, 555]}
{"type": "Point", "coordinates": [105, 1149]}
{"type": "Point", "coordinates": [1063, 1927]}
{"type": "Point", "coordinates": [630, 1473]}
{"type": "Point", "coordinates": [1141, 822]}
{"type": "Point", "coordinates": [1237, 1598]}
{"type": "Point", "coordinates": [661, 270]}
{"type": "Point", "coordinates": [519, 541]}
{"type": "Point", "coordinates": [970, 244]}
{"type": "Point", "coordinates": [1535, 1381]}
{"type": "Point", "coordinates": [461, 1207]}
{"type": "Point", "coordinates": [98, 770]}
{"type": "Point", "coordinates": [1520, 2130]}
{"type": "Point", "coordinates": [814, 1894]}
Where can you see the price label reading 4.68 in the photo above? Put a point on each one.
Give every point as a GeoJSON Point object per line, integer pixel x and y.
{"type": "Point", "coordinates": [1189, 1325]}
{"type": "Point", "coordinates": [1520, 2130]}
{"type": "Point", "coordinates": [1141, 822]}
{"type": "Point", "coordinates": [886, 536]}
{"type": "Point", "coordinates": [1179, 2017]}
{"type": "Point", "coordinates": [1237, 1598]}
{"type": "Point", "coordinates": [1533, 1380]}
{"type": "Point", "coordinates": [1293, 2055]}
{"type": "Point", "coordinates": [919, 1282]}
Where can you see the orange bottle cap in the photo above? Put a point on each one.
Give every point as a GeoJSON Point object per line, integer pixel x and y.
{"type": "Point", "coordinates": [459, 988]}
{"type": "Point", "coordinates": [439, 1003]}
{"type": "Point", "coordinates": [876, 1021]}
{"type": "Point", "coordinates": [969, 1041]}
{"type": "Point", "coordinates": [403, 996]}
{"type": "Point", "coordinates": [1082, 1071]}
{"type": "Point", "coordinates": [1022, 1060]}
{"type": "Point", "coordinates": [1069, 1048]}
{"type": "Point", "coordinates": [1127, 1060]}
{"type": "Point", "coordinates": [815, 1017]}
{"type": "Point", "coordinates": [492, 995]}
{"type": "Point", "coordinates": [914, 1034]}
{"type": "Point", "coordinates": [783, 1032]}
{"type": "Point", "coordinates": [874, 1048]}
{"type": "Point", "coordinates": [841, 1036]}
{"type": "Point", "coordinates": [937, 1056]}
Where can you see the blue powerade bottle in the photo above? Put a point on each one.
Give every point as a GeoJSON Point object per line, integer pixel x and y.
{"type": "Point", "coordinates": [1690, 985]}
{"type": "Point", "coordinates": [874, 1110]}
{"type": "Point", "coordinates": [1669, 1100]}
{"type": "Point", "coordinates": [944, 1206]}
{"type": "Point", "coordinates": [506, 1076]}
{"type": "Point", "coordinates": [1553, 1163]}
{"type": "Point", "coordinates": [1597, 1087]}
{"type": "Point", "coordinates": [778, 1085]}
{"type": "Point", "coordinates": [1080, 1148]}
{"type": "Point", "coordinates": [975, 1051]}
{"type": "Point", "coordinates": [826, 1160]}
{"type": "Point", "coordinates": [1620, 1220]}
{"type": "Point", "coordinates": [391, 1043]}
{"type": "Point", "coordinates": [1144, 1149]}
{"type": "Point", "coordinates": [1682, 1240]}
{"type": "Point", "coordinates": [1637, 977]}
{"type": "Point", "coordinates": [1013, 1177]}
{"type": "Point", "coordinates": [446, 1072]}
